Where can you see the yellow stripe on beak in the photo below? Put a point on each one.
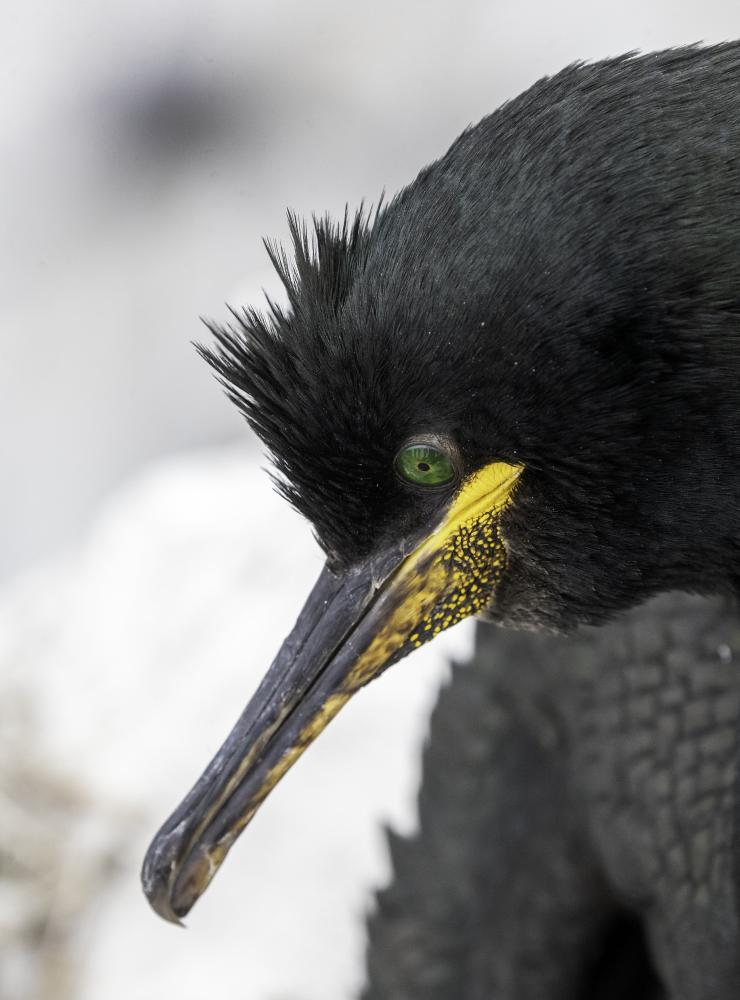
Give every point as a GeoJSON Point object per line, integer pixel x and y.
{"type": "Point", "coordinates": [350, 631]}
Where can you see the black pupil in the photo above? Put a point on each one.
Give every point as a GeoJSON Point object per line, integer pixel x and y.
{"type": "Point", "coordinates": [424, 466]}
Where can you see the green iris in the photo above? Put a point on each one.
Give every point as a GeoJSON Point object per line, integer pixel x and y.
{"type": "Point", "coordinates": [425, 465]}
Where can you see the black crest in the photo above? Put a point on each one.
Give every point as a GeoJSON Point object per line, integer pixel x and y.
{"type": "Point", "coordinates": [308, 380]}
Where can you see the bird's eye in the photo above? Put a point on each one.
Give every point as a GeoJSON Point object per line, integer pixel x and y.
{"type": "Point", "coordinates": [425, 465]}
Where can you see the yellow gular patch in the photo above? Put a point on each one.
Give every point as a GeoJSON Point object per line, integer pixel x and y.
{"type": "Point", "coordinates": [451, 575]}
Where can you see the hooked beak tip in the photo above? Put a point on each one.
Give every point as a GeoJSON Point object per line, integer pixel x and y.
{"type": "Point", "coordinates": [163, 908]}
{"type": "Point", "coordinates": [156, 879]}
{"type": "Point", "coordinates": [161, 903]}
{"type": "Point", "coordinates": [352, 627]}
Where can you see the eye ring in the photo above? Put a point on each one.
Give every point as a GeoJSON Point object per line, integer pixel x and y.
{"type": "Point", "coordinates": [427, 462]}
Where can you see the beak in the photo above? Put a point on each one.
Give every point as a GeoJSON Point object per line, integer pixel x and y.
{"type": "Point", "coordinates": [353, 626]}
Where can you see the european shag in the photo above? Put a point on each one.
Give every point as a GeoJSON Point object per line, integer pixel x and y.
{"type": "Point", "coordinates": [514, 392]}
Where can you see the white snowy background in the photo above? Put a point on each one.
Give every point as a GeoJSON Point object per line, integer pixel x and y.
{"type": "Point", "coordinates": [147, 570]}
{"type": "Point", "coordinates": [128, 661]}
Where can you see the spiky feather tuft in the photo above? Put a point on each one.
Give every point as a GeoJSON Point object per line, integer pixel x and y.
{"type": "Point", "coordinates": [278, 366]}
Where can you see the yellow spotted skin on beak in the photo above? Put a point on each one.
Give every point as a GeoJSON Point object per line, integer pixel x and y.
{"type": "Point", "coordinates": [471, 566]}
{"type": "Point", "coordinates": [451, 575]}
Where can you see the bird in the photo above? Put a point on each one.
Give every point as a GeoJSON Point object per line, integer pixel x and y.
{"type": "Point", "coordinates": [512, 392]}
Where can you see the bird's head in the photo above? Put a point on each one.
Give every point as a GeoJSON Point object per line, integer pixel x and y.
{"type": "Point", "coordinates": [489, 399]}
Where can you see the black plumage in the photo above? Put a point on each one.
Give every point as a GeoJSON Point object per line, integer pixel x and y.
{"type": "Point", "coordinates": [552, 311]}
{"type": "Point", "coordinates": [577, 834]}
{"type": "Point", "coordinates": [562, 288]}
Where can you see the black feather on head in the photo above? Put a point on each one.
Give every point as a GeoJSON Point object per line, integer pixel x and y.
{"type": "Point", "coordinates": [560, 290]}
{"type": "Point", "coordinates": [317, 386]}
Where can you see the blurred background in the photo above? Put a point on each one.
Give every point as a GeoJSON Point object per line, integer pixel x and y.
{"type": "Point", "coordinates": [146, 149]}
